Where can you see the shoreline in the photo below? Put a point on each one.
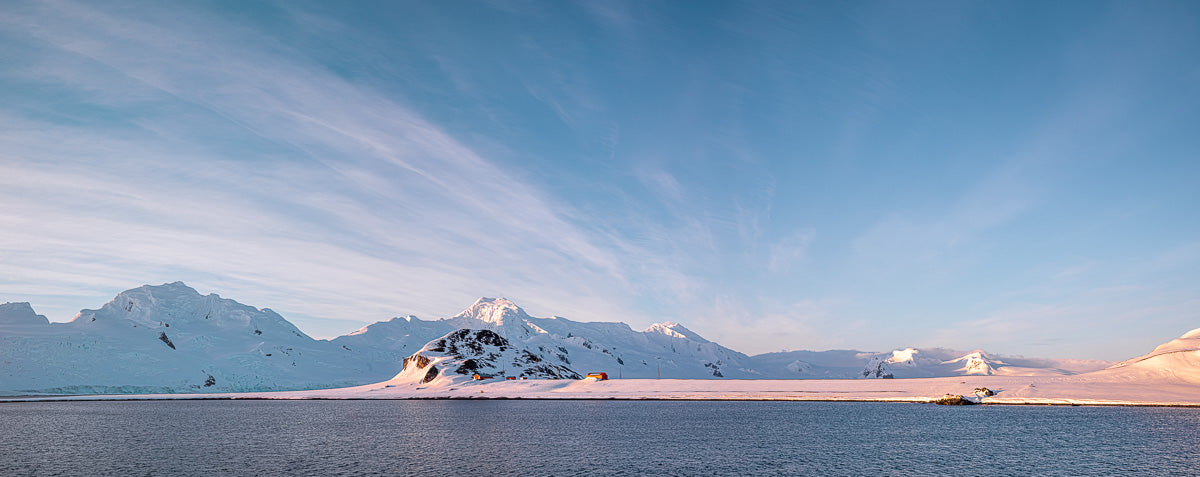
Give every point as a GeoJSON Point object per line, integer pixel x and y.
{"type": "Point", "coordinates": [358, 394]}
{"type": "Point", "coordinates": [133, 398]}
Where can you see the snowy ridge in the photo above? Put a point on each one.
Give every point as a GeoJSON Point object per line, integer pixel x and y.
{"type": "Point", "coordinates": [1178, 359]}
{"type": "Point", "coordinates": [495, 311]}
{"type": "Point", "coordinates": [381, 345]}
{"type": "Point", "coordinates": [675, 330]}
{"type": "Point", "coordinates": [666, 349]}
{"type": "Point", "coordinates": [170, 338]}
{"type": "Point", "coordinates": [939, 362]}
{"type": "Point", "coordinates": [14, 315]}
{"type": "Point", "coordinates": [1189, 342]}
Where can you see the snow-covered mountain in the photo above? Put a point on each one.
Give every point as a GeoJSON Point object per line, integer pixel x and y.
{"type": "Point", "coordinates": [670, 350]}
{"type": "Point", "coordinates": [664, 349]}
{"type": "Point", "coordinates": [913, 363]}
{"type": "Point", "coordinates": [383, 344]}
{"type": "Point", "coordinates": [1175, 359]}
{"type": "Point", "coordinates": [831, 364]}
{"type": "Point", "coordinates": [582, 347]}
{"type": "Point", "coordinates": [169, 338]}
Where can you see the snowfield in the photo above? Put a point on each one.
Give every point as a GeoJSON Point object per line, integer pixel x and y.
{"type": "Point", "coordinates": [1168, 376]}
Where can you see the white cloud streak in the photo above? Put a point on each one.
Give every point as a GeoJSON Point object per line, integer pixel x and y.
{"type": "Point", "coordinates": [344, 202]}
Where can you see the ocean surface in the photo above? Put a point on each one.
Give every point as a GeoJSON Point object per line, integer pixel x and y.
{"type": "Point", "coordinates": [525, 437]}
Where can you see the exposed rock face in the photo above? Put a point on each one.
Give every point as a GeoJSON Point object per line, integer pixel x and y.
{"type": "Point", "coordinates": [469, 341]}
{"type": "Point", "coordinates": [430, 375]}
{"type": "Point", "coordinates": [953, 400]}
{"type": "Point", "coordinates": [468, 352]}
{"type": "Point", "coordinates": [420, 362]}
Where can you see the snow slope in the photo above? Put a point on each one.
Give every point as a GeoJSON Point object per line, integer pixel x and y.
{"type": "Point", "coordinates": [169, 338]}
{"type": "Point", "coordinates": [384, 345]}
{"type": "Point", "coordinates": [1178, 359]}
{"type": "Point", "coordinates": [1167, 376]}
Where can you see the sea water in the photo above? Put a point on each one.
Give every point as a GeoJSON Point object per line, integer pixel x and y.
{"type": "Point", "coordinates": [528, 437]}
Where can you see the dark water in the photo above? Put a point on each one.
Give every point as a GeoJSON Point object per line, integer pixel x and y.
{"type": "Point", "coordinates": [590, 437]}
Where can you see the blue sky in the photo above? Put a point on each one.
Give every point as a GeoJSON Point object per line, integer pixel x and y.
{"type": "Point", "coordinates": [1014, 176]}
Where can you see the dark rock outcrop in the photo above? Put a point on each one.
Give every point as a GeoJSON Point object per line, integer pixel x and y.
{"type": "Point", "coordinates": [430, 375]}
{"type": "Point", "coordinates": [953, 400]}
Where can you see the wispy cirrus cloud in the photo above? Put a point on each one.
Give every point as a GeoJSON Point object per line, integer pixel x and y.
{"type": "Point", "coordinates": [240, 166]}
{"type": "Point", "coordinates": [789, 250]}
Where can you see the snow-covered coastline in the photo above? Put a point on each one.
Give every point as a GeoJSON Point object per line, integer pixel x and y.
{"type": "Point", "coordinates": [1167, 376]}
{"type": "Point", "coordinates": [170, 342]}
{"type": "Point", "coordinates": [1070, 390]}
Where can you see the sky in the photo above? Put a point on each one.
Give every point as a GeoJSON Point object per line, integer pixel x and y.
{"type": "Point", "coordinates": [1020, 177]}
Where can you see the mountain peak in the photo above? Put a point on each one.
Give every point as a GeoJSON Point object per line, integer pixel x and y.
{"type": "Point", "coordinates": [976, 362]}
{"type": "Point", "coordinates": [675, 330]}
{"type": "Point", "coordinates": [906, 355]}
{"type": "Point", "coordinates": [493, 310]}
{"type": "Point", "coordinates": [175, 287]}
{"type": "Point", "coordinates": [20, 314]}
{"type": "Point", "coordinates": [500, 301]}
{"type": "Point", "coordinates": [182, 307]}
{"type": "Point", "coordinates": [397, 322]}
{"type": "Point", "coordinates": [166, 291]}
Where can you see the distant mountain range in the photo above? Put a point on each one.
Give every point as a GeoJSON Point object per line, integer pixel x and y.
{"type": "Point", "coordinates": [169, 338]}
